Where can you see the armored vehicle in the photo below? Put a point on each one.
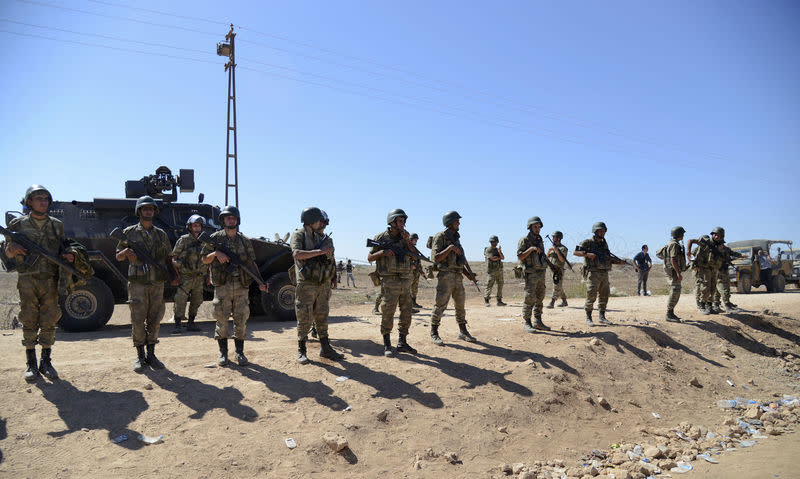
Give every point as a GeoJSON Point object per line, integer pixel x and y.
{"type": "Point", "coordinates": [89, 307]}
{"type": "Point", "coordinates": [745, 273]}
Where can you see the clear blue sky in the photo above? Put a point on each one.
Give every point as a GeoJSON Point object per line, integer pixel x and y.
{"type": "Point", "coordinates": [645, 115]}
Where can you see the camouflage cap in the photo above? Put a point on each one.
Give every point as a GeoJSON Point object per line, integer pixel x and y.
{"type": "Point", "coordinates": [599, 226]}
{"type": "Point", "coordinates": [677, 232]}
{"type": "Point", "coordinates": [493, 238]}
{"type": "Point", "coordinates": [558, 234]}
{"type": "Point", "coordinates": [534, 220]}
{"type": "Point", "coordinates": [449, 217]}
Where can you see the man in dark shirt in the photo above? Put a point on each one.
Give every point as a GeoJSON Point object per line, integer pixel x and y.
{"type": "Point", "coordinates": [643, 263]}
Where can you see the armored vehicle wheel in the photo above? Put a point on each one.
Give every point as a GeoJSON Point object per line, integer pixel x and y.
{"type": "Point", "coordinates": [281, 297]}
{"type": "Point", "coordinates": [87, 308]}
{"type": "Point", "coordinates": [743, 286]}
{"type": "Point", "coordinates": [778, 284]}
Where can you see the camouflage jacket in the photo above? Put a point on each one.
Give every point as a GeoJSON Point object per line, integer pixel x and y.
{"type": "Point", "coordinates": [728, 255]}
{"type": "Point", "coordinates": [221, 273]}
{"type": "Point", "coordinates": [492, 266]}
{"type": "Point", "coordinates": [188, 256]}
{"type": "Point", "coordinates": [553, 257]}
{"type": "Point", "coordinates": [391, 265]}
{"type": "Point", "coordinates": [707, 255]}
{"type": "Point", "coordinates": [440, 242]}
{"type": "Point", "coordinates": [156, 243]}
{"type": "Point", "coordinates": [599, 247]}
{"type": "Point", "coordinates": [50, 237]}
{"type": "Point", "coordinates": [675, 250]}
{"type": "Point", "coordinates": [319, 269]}
{"type": "Point", "coordinates": [534, 261]}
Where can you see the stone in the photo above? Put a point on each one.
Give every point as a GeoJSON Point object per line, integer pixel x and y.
{"type": "Point", "coordinates": [594, 342]}
{"type": "Point", "coordinates": [516, 468]}
{"type": "Point", "coordinates": [503, 429]}
{"type": "Point", "coordinates": [652, 452]}
{"type": "Point", "coordinates": [695, 382]}
{"type": "Point", "coordinates": [451, 457]}
{"type": "Point", "coordinates": [619, 473]}
{"type": "Point", "coordinates": [335, 441]}
{"type": "Point", "coordinates": [618, 457]}
{"type": "Point", "coordinates": [666, 464]}
{"type": "Point", "coordinates": [505, 467]}
{"type": "Point", "coordinates": [753, 412]}
{"type": "Point", "coordinates": [416, 465]}
{"type": "Point", "coordinates": [383, 415]}
{"type": "Point", "coordinates": [527, 475]}
{"type": "Point", "coordinates": [772, 431]}
{"type": "Point", "coordinates": [602, 401]}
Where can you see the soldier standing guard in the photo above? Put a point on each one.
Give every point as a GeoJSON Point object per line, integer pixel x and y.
{"type": "Point", "coordinates": [187, 258]}
{"type": "Point", "coordinates": [530, 252]}
{"type": "Point", "coordinates": [146, 282]}
{"type": "Point", "coordinates": [557, 254]}
{"type": "Point", "coordinates": [395, 273]}
{"type": "Point", "coordinates": [674, 265]}
{"type": "Point", "coordinates": [231, 285]}
{"type": "Point", "coordinates": [723, 290]}
{"type": "Point", "coordinates": [708, 261]}
{"type": "Point", "coordinates": [448, 258]}
{"type": "Point", "coordinates": [315, 270]}
{"type": "Point", "coordinates": [38, 283]}
{"type": "Point", "coordinates": [597, 263]}
{"type": "Point", "coordinates": [494, 269]}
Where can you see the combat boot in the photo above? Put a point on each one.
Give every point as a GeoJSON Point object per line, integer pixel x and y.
{"type": "Point", "coordinates": [730, 307]}
{"type": "Point", "coordinates": [222, 360]}
{"type": "Point", "coordinates": [32, 372]}
{"type": "Point", "coordinates": [563, 303]}
{"type": "Point", "coordinates": [415, 304]}
{"type": "Point", "coordinates": [387, 346]}
{"type": "Point", "coordinates": [500, 302]}
{"type": "Point", "coordinates": [540, 325]}
{"type": "Point", "coordinates": [403, 346]}
{"type": "Point", "coordinates": [552, 304]}
{"type": "Point", "coordinates": [376, 311]}
{"type": "Point", "coordinates": [46, 367]}
{"type": "Point", "coordinates": [314, 333]}
{"type": "Point", "coordinates": [241, 359]}
{"type": "Point", "coordinates": [715, 308]}
{"type": "Point", "coordinates": [486, 302]}
{"type": "Point", "coordinates": [435, 335]}
{"type": "Point", "coordinates": [177, 328]}
{"type": "Point", "coordinates": [414, 310]}
{"type": "Point", "coordinates": [528, 327]}
{"type": "Point", "coordinates": [601, 317]}
{"type": "Point", "coordinates": [464, 334]}
{"type": "Point", "coordinates": [152, 360]}
{"type": "Point", "coordinates": [671, 317]}
{"type": "Point", "coordinates": [190, 326]}
{"type": "Point", "coordinates": [706, 308]}
{"type": "Point", "coordinates": [327, 351]}
{"type": "Point", "coordinates": [141, 360]}
{"type": "Point", "coordinates": [301, 352]}
{"type": "Point", "coordinates": [589, 321]}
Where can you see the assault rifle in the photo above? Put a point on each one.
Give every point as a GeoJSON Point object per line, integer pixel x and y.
{"type": "Point", "coordinates": [36, 251]}
{"type": "Point", "coordinates": [398, 250]}
{"type": "Point", "coordinates": [565, 256]}
{"type": "Point", "coordinates": [602, 256]}
{"type": "Point", "coordinates": [461, 260]}
{"type": "Point", "coordinates": [144, 256]}
{"type": "Point", "coordinates": [234, 261]}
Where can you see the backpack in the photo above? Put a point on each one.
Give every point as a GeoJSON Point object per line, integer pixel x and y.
{"type": "Point", "coordinates": [662, 253]}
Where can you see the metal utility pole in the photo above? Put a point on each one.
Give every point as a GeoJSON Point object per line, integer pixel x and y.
{"type": "Point", "coordinates": [226, 49]}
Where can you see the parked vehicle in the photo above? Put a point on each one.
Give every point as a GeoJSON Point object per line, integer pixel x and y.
{"type": "Point", "coordinates": [745, 273]}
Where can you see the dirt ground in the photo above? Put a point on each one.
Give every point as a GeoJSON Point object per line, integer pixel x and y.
{"type": "Point", "coordinates": [460, 410]}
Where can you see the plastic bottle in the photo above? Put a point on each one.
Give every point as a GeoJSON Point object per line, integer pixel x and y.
{"type": "Point", "coordinates": [727, 403]}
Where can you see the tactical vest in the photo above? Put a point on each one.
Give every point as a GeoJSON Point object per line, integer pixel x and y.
{"type": "Point", "coordinates": [49, 237]}
{"type": "Point", "coordinates": [553, 257]}
{"type": "Point", "coordinates": [440, 242]}
{"type": "Point", "coordinates": [317, 270]}
{"type": "Point", "coordinates": [391, 265]}
{"type": "Point", "coordinates": [492, 266]}
{"type": "Point", "coordinates": [599, 247]}
{"type": "Point", "coordinates": [221, 273]}
{"type": "Point", "coordinates": [674, 249]}
{"type": "Point", "coordinates": [188, 253]}
{"type": "Point", "coordinates": [534, 260]}
{"type": "Point", "coordinates": [156, 243]}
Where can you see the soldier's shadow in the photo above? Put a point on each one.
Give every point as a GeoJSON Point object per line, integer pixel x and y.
{"type": "Point", "coordinates": [292, 388]}
{"type": "Point", "coordinates": [621, 345]}
{"type": "Point", "coordinates": [664, 340]}
{"type": "Point", "coordinates": [473, 376]}
{"type": "Point", "coordinates": [112, 411]}
{"type": "Point", "coordinates": [519, 355]}
{"type": "Point", "coordinates": [734, 336]}
{"type": "Point", "coordinates": [201, 397]}
{"type": "Point", "coordinates": [759, 323]}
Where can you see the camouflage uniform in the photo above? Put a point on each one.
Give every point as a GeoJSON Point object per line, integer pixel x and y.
{"type": "Point", "coordinates": [534, 269]}
{"type": "Point", "coordinates": [395, 284]}
{"type": "Point", "coordinates": [674, 250]}
{"type": "Point", "coordinates": [596, 273]}
{"type": "Point", "coordinates": [231, 289]}
{"type": "Point", "coordinates": [723, 290]}
{"type": "Point", "coordinates": [313, 290]}
{"type": "Point", "coordinates": [558, 288]}
{"type": "Point", "coordinates": [449, 281]}
{"type": "Point", "coordinates": [416, 265]}
{"type": "Point", "coordinates": [146, 283]}
{"type": "Point", "coordinates": [494, 273]}
{"type": "Point", "coordinates": [707, 263]}
{"type": "Point", "coordinates": [188, 257]}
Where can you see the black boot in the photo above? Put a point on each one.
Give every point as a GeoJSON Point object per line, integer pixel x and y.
{"type": "Point", "coordinates": [435, 335]}
{"type": "Point", "coordinates": [706, 308]}
{"type": "Point", "coordinates": [528, 327]}
{"type": "Point", "coordinates": [141, 359]}
{"type": "Point", "coordinates": [540, 325]}
{"type": "Point", "coordinates": [563, 303]}
{"type": "Point", "coordinates": [671, 317]}
{"type": "Point", "coordinates": [376, 311]}
{"type": "Point", "coordinates": [301, 352]}
{"type": "Point", "coordinates": [152, 360]}
{"type": "Point", "coordinates": [403, 346]}
{"type": "Point", "coordinates": [387, 346]}
{"type": "Point", "coordinates": [32, 373]}
{"type": "Point", "coordinates": [715, 308]}
{"type": "Point", "coordinates": [46, 367]}
{"type": "Point", "coordinates": [730, 307]}
{"type": "Point", "coordinates": [241, 359]}
{"type": "Point", "coordinates": [464, 334]}
{"type": "Point", "coordinates": [415, 304]}
{"type": "Point", "coordinates": [602, 318]}
{"type": "Point", "coordinates": [177, 328]}
{"type": "Point", "coordinates": [190, 326]}
{"type": "Point", "coordinates": [486, 301]}
{"type": "Point", "coordinates": [500, 302]}
{"type": "Point", "coordinates": [326, 351]}
{"type": "Point", "coordinates": [222, 360]}
{"type": "Point", "coordinates": [552, 304]}
{"type": "Point", "coordinates": [589, 321]}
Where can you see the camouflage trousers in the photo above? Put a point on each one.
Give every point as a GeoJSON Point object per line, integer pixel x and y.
{"type": "Point", "coordinates": [598, 288]}
{"type": "Point", "coordinates": [534, 294]}
{"type": "Point", "coordinates": [414, 284]}
{"type": "Point", "coordinates": [311, 307]}
{"type": "Point", "coordinates": [396, 290]}
{"type": "Point", "coordinates": [194, 294]}
{"type": "Point", "coordinates": [147, 310]}
{"type": "Point", "coordinates": [558, 289]}
{"type": "Point", "coordinates": [39, 311]}
{"type": "Point", "coordinates": [495, 277]}
{"type": "Point", "coordinates": [674, 288]}
{"type": "Point", "coordinates": [449, 283]}
{"type": "Point", "coordinates": [723, 290]}
{"type": "Point", "coordinates": [705, 283]}
{"type": "Point", "coordinates": [231, 299]}
{"type": "Point", "coordinates": [379, 298]}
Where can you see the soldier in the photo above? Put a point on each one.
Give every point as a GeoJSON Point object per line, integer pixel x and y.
{"type": "Point", "coordinates": [37, 283]}
{"type": "Point", "coordinates": [146, 282]}
{"type": "Point", "coordinates": [723, 290]}
{"type": "Point", "coordinates": [395, 274]}
{"type": "Point", "coordinates": [708, 261]}
{"type": "Point", "coordinates": [416, 266]}
{"type": "Point", "coordinates": [448, 257]}
{"type": "Point", "coordinates": [231, 285]}
{"type": "Point", "coordinates": [348, 268]}
{"type": "Point", "coordinates": [557, 254]}
{"type": "Point", "coordinates": [187, 258]}
{"type": "Point", "coordinates": [494, 269]}
{"type": "Point", "coordinates": [339, 271]}
{"type": "Point", "coordinates": [674, 265]}
{"type": "Point", "coordinates": [530, 253]}
{"type": "Point", "coordinates": [315, 268]}
{"type": "Point", "coordinates": [597, 262]}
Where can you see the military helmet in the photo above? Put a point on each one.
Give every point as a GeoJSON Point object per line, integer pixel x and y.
{"type": "Point", "coordinates": [414, 236]}
{"type": "Point", "coordinates": [719, 230]}
{"type": "Point", "coordinates": [195, 219]}
{"type": "Point", "coordinates": [449, 217]}
{"type": "Point", "coordinates": [558, 234]}
{"type": "Point", "coordinates": [677, 232]}
{"type": "Point", "coordinates": [394, 214]}
{"type": "Point", "coordinates": [598, 226]}
{"type": "Point", "coordinates": [325, 218]}
{"type": "Point", "coordinates": [311, 215]}
{"type": "Point", "coordinates": [493, 238]}
{"type": "Point", "coordinates": [229, 211]}
{"type": "Point", "coordinates": [33, 189]}
{"type": "Point", "coordinates": [145, 200]}
{"type": "Point", "coordinates": [533, 220]}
